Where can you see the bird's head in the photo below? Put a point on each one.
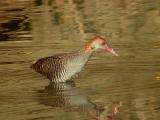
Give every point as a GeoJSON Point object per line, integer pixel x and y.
{"type": "Point", "coordinates": [99, 43]}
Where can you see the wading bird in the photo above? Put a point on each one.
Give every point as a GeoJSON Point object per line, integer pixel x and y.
{"type": "Point", "coordinates": [63, 67]}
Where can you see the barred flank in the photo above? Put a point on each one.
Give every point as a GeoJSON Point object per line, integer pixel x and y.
{"type": "Point", "coordinates": [51, 67]}
{"type": "Point", "coordinates": [61, 67]}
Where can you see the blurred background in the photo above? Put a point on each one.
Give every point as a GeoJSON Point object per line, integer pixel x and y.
{"type": "Point", "coordinates": [32, 29]}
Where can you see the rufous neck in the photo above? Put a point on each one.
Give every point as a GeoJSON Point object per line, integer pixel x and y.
{"type": "Point", "coordinates": [87, 48]}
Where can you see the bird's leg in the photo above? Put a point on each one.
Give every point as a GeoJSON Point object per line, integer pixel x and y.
{"type": "Point", "coordinates": [71, 82]}
{"type": "Point", "coordinates": [74, 76]}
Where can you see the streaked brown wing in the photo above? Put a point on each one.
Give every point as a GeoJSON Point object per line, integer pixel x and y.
{"type": "Point", "coordinates": [49, 66]}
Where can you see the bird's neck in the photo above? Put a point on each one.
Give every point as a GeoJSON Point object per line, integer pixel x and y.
{"type": "Point", "coordinates": [87, 49]}
{"type": "Point", "coordinates": [86, 54]}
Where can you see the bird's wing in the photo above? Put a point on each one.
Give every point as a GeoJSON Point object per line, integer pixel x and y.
{"type": "Point", "coordinates": [51, 66]}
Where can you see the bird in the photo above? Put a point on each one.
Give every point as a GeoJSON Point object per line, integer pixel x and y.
{"type": "Point", "coordinates": [63, 67]}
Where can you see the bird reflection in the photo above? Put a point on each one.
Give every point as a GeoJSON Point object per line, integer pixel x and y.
{"type": "Point", "coordinates": [66, 95]}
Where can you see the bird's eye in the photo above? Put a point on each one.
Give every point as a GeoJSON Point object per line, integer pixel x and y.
{"type": "Point", "coordinates": [103, 43]}
{"type": "Point", "coordinates": [92, 47]}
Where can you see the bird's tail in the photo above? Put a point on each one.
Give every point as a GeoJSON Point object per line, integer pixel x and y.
{"type": "Point", "coordinates": [33, 64]}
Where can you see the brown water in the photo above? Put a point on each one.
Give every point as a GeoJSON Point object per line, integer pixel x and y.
{"type": "Point", "coordinates": [34, 29]}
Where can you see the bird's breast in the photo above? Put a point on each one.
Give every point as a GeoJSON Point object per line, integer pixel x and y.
{"type": "Point", "coordinates": [75, 66]}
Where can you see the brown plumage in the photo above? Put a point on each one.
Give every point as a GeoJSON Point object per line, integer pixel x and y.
{"type": "Point", "coordinates": [51, 67]}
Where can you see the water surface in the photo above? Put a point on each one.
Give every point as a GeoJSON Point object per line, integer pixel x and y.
{"type": "Point", "coordinates": [30, 30]}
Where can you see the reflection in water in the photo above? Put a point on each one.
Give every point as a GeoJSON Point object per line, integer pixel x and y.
{"type": "Point", "coordinates": [32, 29]}
{"type": "Point", "coordinates": [14, 22]}
{"type": "Point", "coordinates": [68, 96]}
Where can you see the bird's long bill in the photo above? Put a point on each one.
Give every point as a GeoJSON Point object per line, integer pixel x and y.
{"type": "Point", "coordinates": [113, 52]}
{"type": "Point", "coordinates": [109, 49]}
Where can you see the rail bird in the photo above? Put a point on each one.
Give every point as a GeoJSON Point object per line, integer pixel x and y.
{"type": "Point", "coordinates": [64, 66]}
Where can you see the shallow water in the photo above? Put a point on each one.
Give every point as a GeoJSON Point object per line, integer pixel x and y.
{"type": "Point", "coordinates": [34, 29]}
